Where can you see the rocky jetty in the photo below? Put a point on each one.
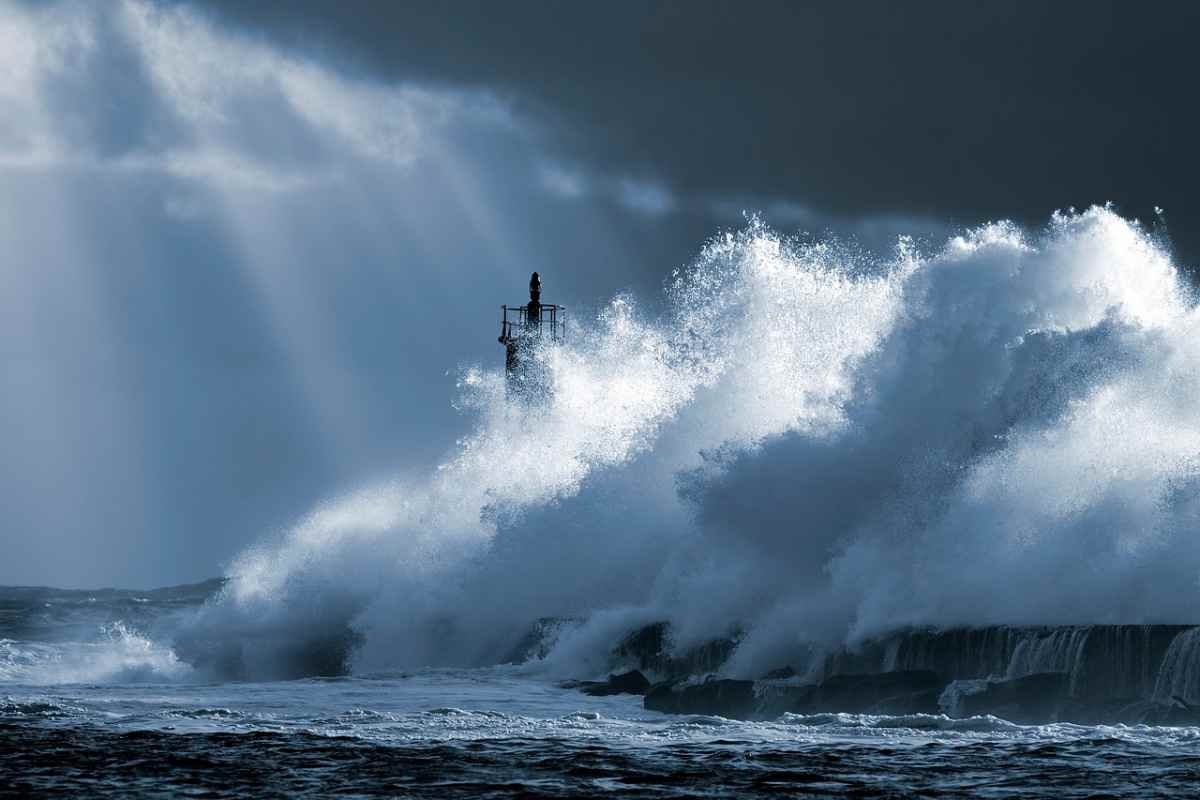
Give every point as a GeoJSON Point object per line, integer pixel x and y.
{"type": "Point", "coordinates": [632, 682]}
{"type": "Point", "coordinates": [1036, 674]}
{"type": "Point", "coordinates": [540, 638]}
{"type": "Point", "coordinates": [1040, 697]}
{"type": "Point", "coordinates": [649, 649]}
{"type": "Point", "coordinates": [721, 697]}
{"type": "Point", "coordinates": [1103, 661]}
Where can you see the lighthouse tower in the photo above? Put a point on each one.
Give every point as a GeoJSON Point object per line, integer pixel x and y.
{"type": "Point", "coordinates": [524, 329]}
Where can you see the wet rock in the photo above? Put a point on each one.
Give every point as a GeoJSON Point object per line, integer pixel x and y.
{"type": "Point", "coordinates": [632, 682]}
{"type": "Point", "coordinates": [923, 702]}
{"type": "Point", "coordinates": [1150, 712]}
{"type": "Point", "coordinates": [910, 692]}
{"type": "Point", "coordinates": [781, 674]}
{"type": "Point", "coordinates": [645, 646]}
{"type": "Point", "coordinates": [540, 638]}
{"type": "Point", "coordinates": [1038, 698]}
{"type": "Point", "coordinates": [722, 697]}
{"type": "Point", "coordinates": [1088, 674]}
{"type": "Point", "coordinates": [861, 693]}
{"type": "Point", "coordinates": [1105, 661]}
{"type": "Point", "coordinates": [775, 698]}
{"type": "Point", "coordinates": [649, 648]}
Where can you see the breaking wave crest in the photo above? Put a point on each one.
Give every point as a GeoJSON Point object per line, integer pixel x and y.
{"type": "Point", "coordinates": [809, 446]}
{"type": "Point", "coordinates": [119, 655]}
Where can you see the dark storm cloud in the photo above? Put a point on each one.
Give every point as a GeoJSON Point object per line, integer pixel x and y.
{"type": "Point", "coordinates": [957, 110]}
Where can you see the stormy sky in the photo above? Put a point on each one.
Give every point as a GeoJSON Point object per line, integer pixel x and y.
{"type": "Point", "coordinates": [248, 246]}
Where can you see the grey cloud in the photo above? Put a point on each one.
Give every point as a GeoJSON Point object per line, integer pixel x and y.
{"type": "Point", "coordinates": [645, 197]}
{"type": "Point", "coordinates": [944, 109]}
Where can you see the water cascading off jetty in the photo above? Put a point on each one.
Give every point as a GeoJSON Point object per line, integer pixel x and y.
{"type": "Point", "coordinates": [1083, 674]}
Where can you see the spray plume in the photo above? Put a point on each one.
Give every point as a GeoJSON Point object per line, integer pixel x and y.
{"type": "Point", "coordinates": [809, 446]}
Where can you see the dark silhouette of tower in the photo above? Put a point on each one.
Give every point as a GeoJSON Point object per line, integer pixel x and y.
{"type": "Point", "coordinates": [523, 329]}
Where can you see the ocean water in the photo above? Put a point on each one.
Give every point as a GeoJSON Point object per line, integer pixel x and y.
{"type": "Point", "coordinates": [91, 706]}
{"type": "Point", "coordinates": [492, 732]}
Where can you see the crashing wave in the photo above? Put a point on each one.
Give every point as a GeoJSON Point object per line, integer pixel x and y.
{"type": "Point", "coordinates": [807, 446]}
{"type": "Point", "coordinates": [119, 655]}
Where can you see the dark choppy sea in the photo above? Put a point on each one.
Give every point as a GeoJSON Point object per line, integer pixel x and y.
{"type": "Point", "coordinates": [90, 707]}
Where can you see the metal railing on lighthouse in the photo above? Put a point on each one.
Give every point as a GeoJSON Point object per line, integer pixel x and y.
{"type": "Point", "coordinates": [523, 330]}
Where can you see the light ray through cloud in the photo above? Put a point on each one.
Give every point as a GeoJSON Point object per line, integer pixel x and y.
{"type": "Point", "coordinates": [300, 184]}
{"type": "Point", "coordinates": [301, 259]}
{"type": "Point", "coordinates": [69, 386]}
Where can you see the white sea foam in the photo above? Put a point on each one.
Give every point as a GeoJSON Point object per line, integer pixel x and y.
{"type": "Point", "coordinates": [118, 655]}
